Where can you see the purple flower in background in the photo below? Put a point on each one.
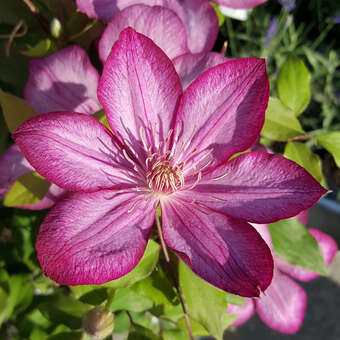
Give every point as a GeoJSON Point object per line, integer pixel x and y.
{"type": "Point", "coordinates": [288, 5]}
{"type": "Point", "coordinates": [283, 305]}
{"type": "Point", "coordinates": [65, 80]}
{"type": "Point", "coordinates": [336, 19]}
{"type": "Point", "coordinates": [171, 149]}
{"type": "Point", "coordinates": [271, 31]}
{"type": "Point", "coordinates": [198, 18]}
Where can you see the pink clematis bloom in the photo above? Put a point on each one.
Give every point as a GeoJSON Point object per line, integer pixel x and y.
{"type": "Point", "coordinates": [283, 305]}
{"type": "Point", "coordinates": [197, 17]}
{"type": "Point", "coordinates": [171, 149]}
{"type": "Point", "coordinates": [65, 80]}
{"type": "Point", "coordinates": [240, 4]}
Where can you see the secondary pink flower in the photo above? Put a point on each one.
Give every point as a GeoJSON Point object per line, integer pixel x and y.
{"type": "Point", "coordinates": [171, 149]}
{"type": "Point", "coordinates": [198, 17]}
{"type": "Point", "coordinates": [65, 80]}
{"type": "Point", "coordinates": [283, 305]}
{"type": "Point", "coordinates": [240, 4]}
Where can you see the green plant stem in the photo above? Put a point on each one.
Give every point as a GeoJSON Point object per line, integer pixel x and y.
{"type": "Point", "coordinates": [322, 36]}
{"type": "Point", "coordinates": [231, 36]}
{"type": "Point", "coordinates": [159, 229]}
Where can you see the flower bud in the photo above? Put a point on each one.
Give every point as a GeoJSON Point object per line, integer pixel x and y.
{"type": "Point", "coordinates": [55, 28]}
{"type": "Point", "coordinates": [98, 323]}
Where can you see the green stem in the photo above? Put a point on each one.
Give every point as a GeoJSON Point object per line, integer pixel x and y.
{"type": "Point", "coordinates": [231, 36]}
{"type": "Point", "coordinates": [322, 36]}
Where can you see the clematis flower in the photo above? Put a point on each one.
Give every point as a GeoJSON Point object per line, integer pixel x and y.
{"type": "Point", "coordinates": [198, 18]}
{"type": "Point", "coordinates": [283, 305]}
{"type": "Point", "coordinates": [65, 80]}
{"type": "Point", "coordinates": [240, 4]}
{"type": "Point", "coordinates": [171, 149]}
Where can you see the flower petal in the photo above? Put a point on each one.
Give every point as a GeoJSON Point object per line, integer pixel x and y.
{"type": "Point", "coordinates": [74, 151]}
{"type": "Point", "coordinates": [242, 4]}
{"type": "Point", "coordinates": [328, 248]}
{"type": "Point", "coordinates": [94, 238]}
{"type": "Point", "coordinates": [13, 164]}
{"type": "Point", "coordinates": [139, 89]}
{"type": "Point", "coordinates": [198, 16]}
{"type": "Point", "coordinates": [222, 111]}
{"type": "Point", "coordinates": [189, 66]}
{"type": "Point", "coordinates": [282, 307]}
{"type": "Point", "coordinates": [263, 230]}
{"type": "Point", "coordinates": [244, 313]}
{"type": "Point", "coordinates": [63, 81]}
{"type": "Point", "coordinates": [259, 187]}
{"type": "Point", "coordinates": [303, 217]}
{"type": "Point", "coordinates": [200, 21]}
{"type": "Point", "coordinates": [158, 23]}
{"type": "Point", "coordinates": [226, 252]}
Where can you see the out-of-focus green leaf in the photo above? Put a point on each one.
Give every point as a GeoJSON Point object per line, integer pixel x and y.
{"type": "Point", "coordinates": [147, 320]}
{"type": "Point", "coordinates": [122, 323]}
{"type": "Point", "coordinates": [281, 123]}
{"type": "Point", "coordinates": [65, 310]}
{"type": "Point", "coordinates": [142, 333]}
{"type": "Point", "coordinates": [127, 299]}
{"type": "Point", "coordinates": [331, 142]}
{"type": "Point", "coordinates": [41, 49]}
{"type": "Point", "coordinates": [205, 303]}
{"type": "Point", "coordinates": [175, 335]}
{"type": "Point", "coordinates": [13, 70]}
{"type": "Point", "coordinates": [27, 189]}
{"type": "Point", "coordinates": [143, 269]}
{"type": "Point", "coordinates": [67, 336]}
{"type": "Point", "coordinates": [302, 155]}
{"type": "Point", "coordinates": [15, 110]}
{"type": "Point", "coordinates": [294, 243]}
{"type": "Point", "coordinates": [294, 84]}
{"type": "Point", "coordinates": [19, 296]}
{"type": "Point", "coordinates": [95, 297]}
{"type": "Point", "coordinates": [13, 11]}
{"type": "Point", "coordinates": [235, 299]}
{"type": "Point", "coordinates": [196, 328]}
{"type": "Point", "coordinates": [38, 334]}
{"type": "Point", "coordinates": [156, 287]}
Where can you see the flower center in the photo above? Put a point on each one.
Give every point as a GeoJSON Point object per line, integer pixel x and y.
{"type": "Point", "coordinates": [164, 177]}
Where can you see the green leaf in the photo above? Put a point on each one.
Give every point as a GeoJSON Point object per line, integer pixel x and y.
{"type": "Point", "coordinates": [156, 287]}
{"type": "Point", "coordinates": [331, 142]}
{"type": "Point", "coordinates": [27, 189]}
{"type": "Point", "coordinates": [281, 123]}
{"type": "Point", "coordinates": [143, 269]}
{"type": "Point", "coordinates": [38, 334]}
{"type": "Point", "coordinates": [122, 323]}
{"type": "Point", "coordinates": [302, 155]}
{"type": "Point", "coordinates": [19, 297]}
{"type": "Point", "coordinates": [220, 15]}
{"type": "Point", "coordinates": [294, 243]}
{"type": "Point", "coordinates": [294, 84]}
{"type": "Point", "coordinates": [67, 336]}
{"type": "Point", "coordinates": [64, 310]}
{"type": "Point", "coordinates": [235, 299]}
{"type": "Point", "coordinates": [41, 49]}
{"type": "Point", "coordinates": [142, 333]}
{"type": "Point", "coordinates": [126, 299]}
{"type": "Point", "coordinates": [175, 335]}
{"type": "Point", "coordinates": [15, 110]}
{"type": "Point", "coordinates": [196, 328]}
{"type": "Point", "coordinates": [205, 303]}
